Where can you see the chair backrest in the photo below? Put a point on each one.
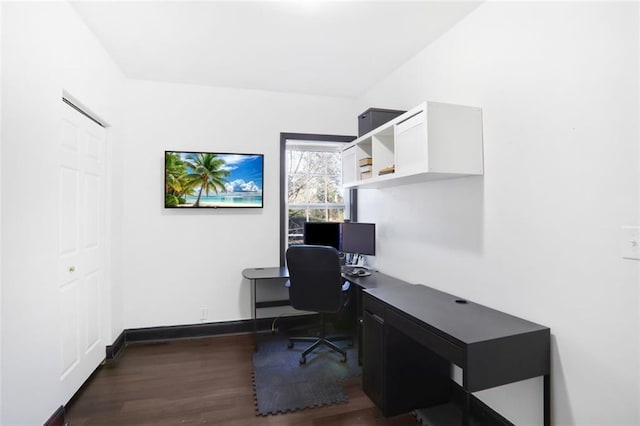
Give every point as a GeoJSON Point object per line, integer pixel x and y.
{"type": "Point", "coordinates": [315, 278]}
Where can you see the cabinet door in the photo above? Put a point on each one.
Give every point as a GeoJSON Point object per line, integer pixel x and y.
{"type": "Point", "coordinates": [373, 357]}
{"type": "Point", "coordinates": [412, 154]}
{"type": "Point", "coordinates": [349, 166]}
{"type": "Point", "coordinates": [414, 376]}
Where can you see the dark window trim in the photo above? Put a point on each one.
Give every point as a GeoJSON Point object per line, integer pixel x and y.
{"type": "Point", "coordinates": [283, 196]}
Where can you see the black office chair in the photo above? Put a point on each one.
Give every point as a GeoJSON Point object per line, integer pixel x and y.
{"type": "Point", "coordinates": [316, 284]}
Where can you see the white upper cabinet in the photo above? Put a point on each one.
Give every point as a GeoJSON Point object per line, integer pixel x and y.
{"type": "Point", "coordinates": [431, 141]}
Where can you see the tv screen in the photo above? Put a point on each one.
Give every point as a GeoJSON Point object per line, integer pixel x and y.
{"type": "Point", "coordinates": [358, 238]}
{"type": "Point", "coordinates": [322, 234]}
{"type": "Point", "coordinates": [212, 180]}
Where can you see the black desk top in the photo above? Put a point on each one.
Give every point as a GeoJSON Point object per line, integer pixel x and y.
{"type": "Point", "coordinates": [492, 348]}
{"type": "Point", "coordinates": [375, 280]}
{"type": "Point", "coordinates": [265, 273]}
{"type": "Point", "coordinates": [465, 322]}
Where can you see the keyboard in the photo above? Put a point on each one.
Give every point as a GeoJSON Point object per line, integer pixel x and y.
{"type": "Point", "coordinates": [355, 271]}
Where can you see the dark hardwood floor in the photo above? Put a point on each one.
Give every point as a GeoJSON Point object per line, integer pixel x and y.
{"type": "Point", "coordinates": [200, 381]}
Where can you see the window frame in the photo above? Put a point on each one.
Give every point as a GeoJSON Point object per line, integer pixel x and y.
{"type": "Point", "coordinates": [352, 202]}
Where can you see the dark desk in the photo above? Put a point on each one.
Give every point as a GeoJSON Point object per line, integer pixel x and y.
{"type": "Point", "coordinates": [254, 275]}
{"type": "Point", "coordinates": [406, 327]}
{"type": "Point", "coordinates": [410, 334]}
{"type": "Point", "coordinates": [375, 280]}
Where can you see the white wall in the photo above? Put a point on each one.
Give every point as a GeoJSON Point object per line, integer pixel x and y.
{"type": "Point", "coordinates": [1, 149]}
{"type": "Point", "coordinates": [177, 261]}
{"type": "Point", "coordinates": [637, 221]}
{"type": "Point", "coordinates": [45, 49]}
{"type": "Point", "coordinates": [538, 235]}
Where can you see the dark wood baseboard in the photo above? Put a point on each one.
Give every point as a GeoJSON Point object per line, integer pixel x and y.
{"type": "Point", "coordinates": [190, 331]}
{"type": "Point", "coordinates": [58, 418]}
{"type": "Point", "coordinates": [184, 331]}
{"type": "Point", "coordinates": [113, 351]}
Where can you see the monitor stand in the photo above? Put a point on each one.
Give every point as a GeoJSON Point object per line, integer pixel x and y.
{"type": "Point", "coordinates": [354, 260]}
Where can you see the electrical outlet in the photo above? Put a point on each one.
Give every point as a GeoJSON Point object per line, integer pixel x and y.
{"type": "Point", "coordinates": [630, 242]}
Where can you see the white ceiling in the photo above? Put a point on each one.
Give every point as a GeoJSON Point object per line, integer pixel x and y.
{"type": "Point", "coordinates": [335, 48]}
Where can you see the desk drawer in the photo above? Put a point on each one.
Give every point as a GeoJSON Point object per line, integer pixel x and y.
{"type": "Point", "coordinates": [372, 305]}
{"type": "Point", "coordinates": [424, 336]}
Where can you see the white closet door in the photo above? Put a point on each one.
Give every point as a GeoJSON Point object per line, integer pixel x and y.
{"type": "Point", "coordinates": [81, 248]}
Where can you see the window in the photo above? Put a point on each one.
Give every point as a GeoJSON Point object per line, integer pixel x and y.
{"type": "Point", "coordinates": [311, 184]}
{"type": "Point", "coordinates": [314, 192]}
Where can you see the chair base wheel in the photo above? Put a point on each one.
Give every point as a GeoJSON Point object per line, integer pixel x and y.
{"type": "Point", "coordinates": [290, 344]}
{"type": "Point", "coordinates": [303, 360]}
{"type": "Point", "coordinates": [344, 359]}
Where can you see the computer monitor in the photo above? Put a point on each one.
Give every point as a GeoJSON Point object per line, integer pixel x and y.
{"type": "Point", "coordinates": [358, 238]}
{"type": "Point", "coordinates": [322, 234]}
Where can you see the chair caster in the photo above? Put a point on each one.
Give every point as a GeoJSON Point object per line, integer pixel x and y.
{"type": "Point", "coordinates": [303, 360]}
{"type": "Point", "coordinates": [290, 344]}
{"type": "Point", "coordinates": [344, 359]}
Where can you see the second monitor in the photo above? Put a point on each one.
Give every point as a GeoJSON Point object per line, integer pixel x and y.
{"type": "Point", "coordinates": [358, 238]}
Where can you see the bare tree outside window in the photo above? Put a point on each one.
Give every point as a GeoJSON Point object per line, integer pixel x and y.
{"type": "Point", "coordinates": [314, 188]}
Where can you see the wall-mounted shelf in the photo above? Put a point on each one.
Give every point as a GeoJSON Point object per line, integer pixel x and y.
{"type": "Point", "coordinates": [429, 142]}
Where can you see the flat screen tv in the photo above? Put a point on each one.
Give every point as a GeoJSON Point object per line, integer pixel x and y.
{"type": "Point", "coordinates": [213, 180]}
